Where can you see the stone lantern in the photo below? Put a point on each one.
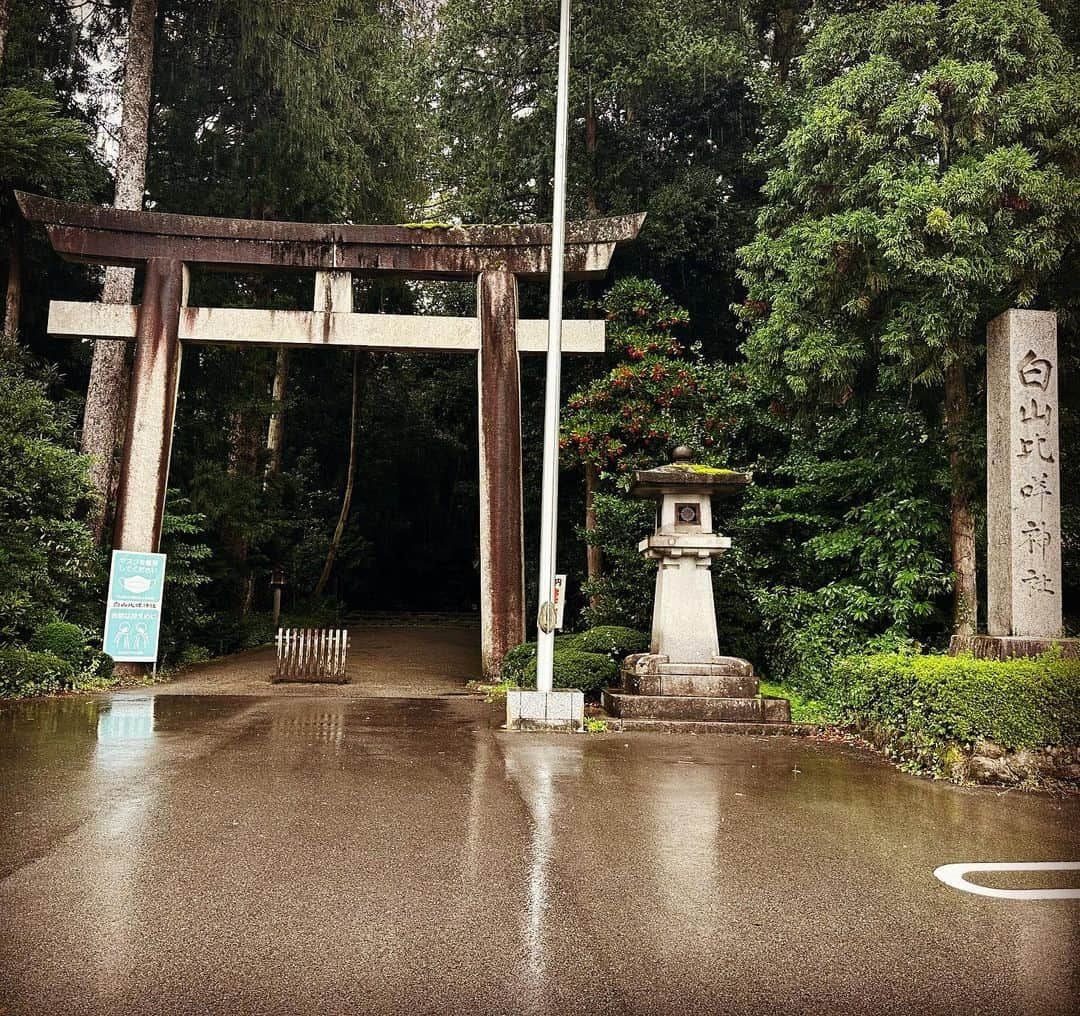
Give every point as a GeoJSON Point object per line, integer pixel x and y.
{"type": "Point", "coordinates": [683, 676]}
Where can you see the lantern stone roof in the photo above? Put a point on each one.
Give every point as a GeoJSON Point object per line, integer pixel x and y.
{"type": "Point", "coordinates": [687, 477]}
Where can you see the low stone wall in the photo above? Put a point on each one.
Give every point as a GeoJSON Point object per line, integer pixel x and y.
{"type": "Point", "coordinates": [985, 762]}
{"type": "Point", "coordinates": [991, 763]}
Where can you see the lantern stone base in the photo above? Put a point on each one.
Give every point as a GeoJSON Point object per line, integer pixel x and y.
{"type": "Point", "coordinates": [655, 674]}
{"type": "Point", "coordinates": [1011, 647]}
{"type": "Point", "coordinates": [723, 691]}
{"type": "Point", "coordinates": [561, 709]}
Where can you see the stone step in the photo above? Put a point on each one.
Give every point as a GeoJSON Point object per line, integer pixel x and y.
{"type": "Point", "coordinates": [679, 682]}
{"type": "Point", "coordinates": [620, 725]}
{"type": "Point", "coordinates": [719, 666]}
{"type": "Point", "coordinates": [696, 707]}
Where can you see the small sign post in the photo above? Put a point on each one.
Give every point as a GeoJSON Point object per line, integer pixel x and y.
{"type": "Point", "coordinates": [133, 611]}
{"type": "Point", "coordinates": [559, 600]}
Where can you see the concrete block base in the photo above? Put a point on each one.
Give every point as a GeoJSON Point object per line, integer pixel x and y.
{"type": "Point", "coordinates": [1011, 647]}
{"type": "Point", "coordinates": [561, 709]}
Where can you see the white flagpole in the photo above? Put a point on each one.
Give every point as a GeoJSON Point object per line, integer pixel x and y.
{"type": "Point", "coordinates": [550, 490]}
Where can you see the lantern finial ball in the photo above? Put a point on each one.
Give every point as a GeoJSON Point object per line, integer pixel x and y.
{"type": "Point", "coordinates": [682, 454]}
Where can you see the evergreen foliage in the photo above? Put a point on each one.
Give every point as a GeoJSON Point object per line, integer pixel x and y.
{"type": "Point", "coordinates": [41, 149]}
{"type": "Point", "coordinates": [929, 183]}
{"type": "Point", "coordinates": [614, 640]}
{"type": "Point", "coordinates": [516, 662]}
{"type": "Point", "coordinates": [48, 565]}
{"type": "Point", "coordinates": [661, 117]}
{"type": "Point", "coordinates": [658, 395]}
{"type": "Point", "coordinates": [185, 617]}
{"type": "Point", "coordinates": [61, 638]}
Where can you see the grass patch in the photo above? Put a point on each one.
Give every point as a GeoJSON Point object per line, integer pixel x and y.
{"type": "Point", "coordinates": [491, 692]}
{"type": "Point", "coordinates": [803, 709]}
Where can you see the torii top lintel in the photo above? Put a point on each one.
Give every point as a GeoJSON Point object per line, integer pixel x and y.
{"type": "Point", "coordinates": [111, 236]}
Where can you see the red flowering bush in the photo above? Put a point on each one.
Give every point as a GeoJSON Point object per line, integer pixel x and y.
{"type": "Point", "coordinates": [658, 395]}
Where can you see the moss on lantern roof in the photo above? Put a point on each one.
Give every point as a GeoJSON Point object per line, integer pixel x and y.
{"type": "Point", "coordinates": [695, 467]}
{"type": "Point", "coordinates": [689, 477]}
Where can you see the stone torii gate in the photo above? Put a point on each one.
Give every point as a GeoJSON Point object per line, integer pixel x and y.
{"type": "Point", "coordinates": [494, 256]}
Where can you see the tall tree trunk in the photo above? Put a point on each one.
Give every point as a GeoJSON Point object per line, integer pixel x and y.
{"type": "Point", "coordinates": [785, 38]}
{"type": "Point", "coordinates": [106, 397]}
{"type": "Point", "coordinates": [593, 561]}
{"type": "Point", "coordinates": [5, 20]}
{"type": "Point", "coordinates": [275, 432]}
{"type": "Point", "coordinates": [962, 522]}
{"type": "Point", "coordinates": [13, 293]}
{"type": "Point", "coordinates": [350, 479]}
{"type": "Point", "coordinates": [245, 440]}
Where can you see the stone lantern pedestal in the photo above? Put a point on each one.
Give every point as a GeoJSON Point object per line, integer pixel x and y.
{"type": "Point", "coordinates": [683, 676]}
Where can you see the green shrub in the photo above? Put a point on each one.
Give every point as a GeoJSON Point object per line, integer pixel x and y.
{"type": "Point", "coordinates": [926, 704]}
{"type": "Point", "coordinates": [623, 593]}
{"type": "Point", "coordinates": [98, 671]}
{"type": "Point", "coordinates": [574, 668]}
{"type": "Point", "coordinates": [24, 672]}
{"type": "Point", "coordinates": [516, 661]}
{"type": "Point", "coordinates": [48, 564]}
{"type": "Point", "coordinates": [63, 639]}
{"type": "Point", "coordinates": [614, 641]}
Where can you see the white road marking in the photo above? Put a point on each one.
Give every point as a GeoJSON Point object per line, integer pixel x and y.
{"type": "Point", "coordinates": [953, 875]}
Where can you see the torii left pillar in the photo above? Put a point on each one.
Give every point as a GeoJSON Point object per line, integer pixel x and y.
{"type": "Point", "coordinates": [144, 471]}
{"type": "Point", "coordinates": [502, 549]}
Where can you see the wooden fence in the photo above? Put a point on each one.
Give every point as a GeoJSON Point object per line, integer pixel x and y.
{"type": "Point", "coordinates": [312, 654]}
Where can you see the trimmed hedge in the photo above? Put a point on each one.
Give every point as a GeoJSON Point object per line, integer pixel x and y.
{"type": "Point", "coordinates": [614, 641]}
{"type": "Point", "coordinates": [927, 705]}
{"type": "Point", "coordinates": [573, 668]}
{"type": "Point", "coordinates": [24, 672]}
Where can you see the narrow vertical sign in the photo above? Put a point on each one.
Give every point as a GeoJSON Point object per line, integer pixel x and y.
{"type": "Point", "coordinates": [559, 599]}
{"type": "Point", "coordinates": [1023, 476]}
{"type": "Point", "coordinates": [133, 613]}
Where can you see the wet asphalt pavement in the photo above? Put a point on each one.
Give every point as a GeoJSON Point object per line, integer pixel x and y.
{"type": "Point", "coordinates": [174, 854]}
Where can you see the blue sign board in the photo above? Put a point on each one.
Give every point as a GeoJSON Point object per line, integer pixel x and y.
{"type": "Point", "coordinates": [133, 614]}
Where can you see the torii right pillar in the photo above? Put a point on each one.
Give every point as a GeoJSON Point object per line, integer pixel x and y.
{"type": "Point", "coordinates": [1023, 491]}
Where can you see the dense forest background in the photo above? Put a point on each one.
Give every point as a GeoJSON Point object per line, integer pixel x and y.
{"type": "Point", "coordinates": [840, 195]}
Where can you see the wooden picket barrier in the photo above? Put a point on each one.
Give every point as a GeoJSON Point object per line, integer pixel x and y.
{"type": "Point", "coordinates": [312, 654]}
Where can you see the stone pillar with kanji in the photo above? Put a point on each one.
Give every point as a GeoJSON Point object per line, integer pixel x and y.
{"type": "Point", "coordinates": [1023, 490]}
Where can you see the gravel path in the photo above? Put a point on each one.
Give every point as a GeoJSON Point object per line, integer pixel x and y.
{"type": "Point", "coordinates": [383, 662]}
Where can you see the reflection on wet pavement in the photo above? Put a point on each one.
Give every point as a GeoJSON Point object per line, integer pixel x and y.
{"type": "Point", "coordinates": [181, 854]}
